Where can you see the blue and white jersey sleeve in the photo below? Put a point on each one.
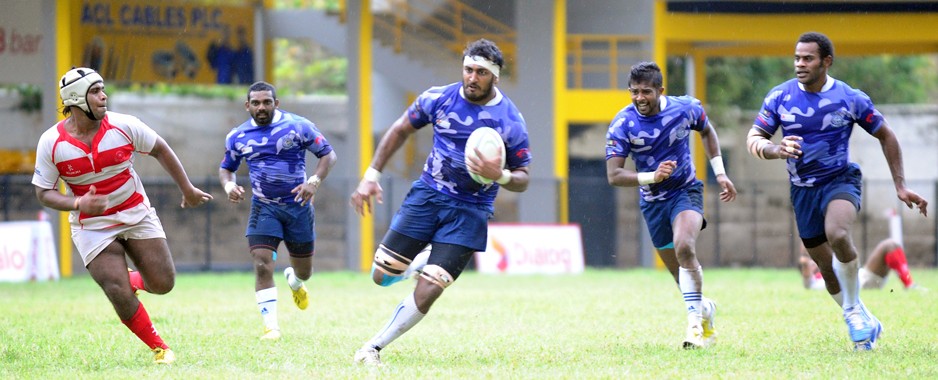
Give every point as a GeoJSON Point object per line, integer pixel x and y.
{"type": "Point", "coordinates": [453, 119]}
{"type": "Point", "coordinates": [824, 120]}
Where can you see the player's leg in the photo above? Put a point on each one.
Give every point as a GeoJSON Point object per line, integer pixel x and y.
{"type": "Point", "coordinates": [394, 257]}
{"type": "Point", "coordinates": [264, 254]}
{"type": "Point", "coordinates": [838, 223]}
{"type": "Point", "coordinates": [687, 226]}
{"type": "Point", "coordinates": [154, 262]}
{"type": "Point", "coordinates": [809, 217]}
{"type": "Point", "coordinates": [300, 240]}
{"type": "Point", "coordinates": [893, 256]}
{"type": "Point", "coordinates": [264, 233]}
{"type": "Point", "coordinates": [420, 261]}
{"type": "Point", "coordinates": [300, 270]}
{"type": "Point", "coordinates": [823, 256]}
{"type": "Point", "coordinates": [842, 197]}
{"type": "Point", "coordinates": [145, 243]}
{"type": "Point", "coordinates": [109, 270]}
{"type": "Point", "coordinates": [443, 268]}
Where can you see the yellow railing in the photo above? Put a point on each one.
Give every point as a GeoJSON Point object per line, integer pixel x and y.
{"type": "Point", "coordinates": [604, 54]}
{"type": "Point", "coordinates": [450, 23]}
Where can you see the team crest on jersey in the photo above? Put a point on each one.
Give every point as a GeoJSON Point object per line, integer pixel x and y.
{"type": "Point", "coordinates": [840, 118]}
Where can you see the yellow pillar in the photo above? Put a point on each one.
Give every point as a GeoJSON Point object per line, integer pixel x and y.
{"type": "Point", "coordinates": [64, 62]}
{"type": "Point", "coordinates": [365, 130]}
{"type": "Point", "coordinates": [561, 122]}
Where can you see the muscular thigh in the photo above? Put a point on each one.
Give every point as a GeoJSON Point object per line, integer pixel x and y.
{"type": "Point", "coordinates": [151, 256]}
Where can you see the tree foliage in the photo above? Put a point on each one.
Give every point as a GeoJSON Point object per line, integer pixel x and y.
{"type": "Point", "coordinates": [744, 82]}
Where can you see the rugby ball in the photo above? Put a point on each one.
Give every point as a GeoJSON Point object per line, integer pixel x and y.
{"type": "Point", "coordinates": [489, 143]}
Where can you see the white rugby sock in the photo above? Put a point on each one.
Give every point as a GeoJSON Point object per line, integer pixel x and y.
{"type": "Point", "coordinates": [849, 281]}
{"type": "Point", "coordinates": [691, 282]}
{"type": "Point", "coordinates": [294, 282]}
{"type": "Point", "coordinates": [267, 304]}
{"type": "Point", "coordinates": [839, 298]}
{"type": "Point", "coordinates": [405, 316]}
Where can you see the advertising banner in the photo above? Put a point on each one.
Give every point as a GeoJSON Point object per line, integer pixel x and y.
{"type": "Point", "coordinates": [27, 252]}
{"type": "Point", "coordinates": [21, 41]}
{"type": "Point", "coordinates": [165, 41]}
{"type": "Point", "coordinates": [532, 249]}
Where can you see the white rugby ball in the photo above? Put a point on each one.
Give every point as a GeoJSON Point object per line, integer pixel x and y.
{"type": "Point", "coordinates": [489, 143]}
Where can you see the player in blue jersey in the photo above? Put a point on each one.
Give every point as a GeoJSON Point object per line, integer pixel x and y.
{"type": "Point", "coordinates": [816, 114]}
{"type": "Point", "coordinates": [445, 206]}
{"type": "Point", "coordinates": [274, 144]}
{"type": "Point", "coordinates": [654, 130]}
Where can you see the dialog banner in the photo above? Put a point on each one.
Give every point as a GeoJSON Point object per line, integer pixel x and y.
{"type": "Point", "coordinates": [27, 252]}
{"type": "Point", "coordinates": [532, 249]}
{"type": "Point", "coordinates": [165, 41]}
{"type": "Point", "coordinates": [21, 42]}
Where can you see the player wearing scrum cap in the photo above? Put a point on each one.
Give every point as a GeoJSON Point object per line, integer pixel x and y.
{"type": "Point", "coordinates": [92, 152]}
{"type": "Point", "coordinates": [445, 206]}
{"type": "Point", "coordinates": [816, 114]}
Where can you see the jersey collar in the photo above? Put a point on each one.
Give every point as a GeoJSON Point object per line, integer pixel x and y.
{"type": "Point", "coordinates": [277, 116]}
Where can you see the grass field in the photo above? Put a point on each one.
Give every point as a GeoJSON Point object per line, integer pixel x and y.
{"type": "Point", "coordinates": [603, 324]}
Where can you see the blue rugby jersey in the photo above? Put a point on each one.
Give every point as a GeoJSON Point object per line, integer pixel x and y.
{"type": "Point", "coordinates": [275, 153]}
{"type": "Point", "coordinates": [824, 120]}
{"type": "Point", "coordinates": [453, 119]}
{"type": "Point", "coordinates": [653, 139]}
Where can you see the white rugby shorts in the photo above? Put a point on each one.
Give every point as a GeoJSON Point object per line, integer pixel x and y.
{"type": "Point", "coordinates": [90, 243]}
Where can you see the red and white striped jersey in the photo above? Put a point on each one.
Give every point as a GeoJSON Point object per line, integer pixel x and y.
{"type": "Point", "coordinates": [107, 165]}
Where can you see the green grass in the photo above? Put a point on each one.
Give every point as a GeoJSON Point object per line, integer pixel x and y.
{"type": "Point", "coordinates": [603, 324]}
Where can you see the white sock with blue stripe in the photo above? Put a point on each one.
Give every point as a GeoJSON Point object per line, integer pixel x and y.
{"type": "Point", "coordinates": [691, 283]}
{"type": "Point", "coordinates": [405, 316]}
{"type": "Point", "coordinates": [267, 304]}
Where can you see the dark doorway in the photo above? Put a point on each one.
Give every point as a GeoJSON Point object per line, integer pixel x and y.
{"type": "Point", "coordinates": [593, 206]}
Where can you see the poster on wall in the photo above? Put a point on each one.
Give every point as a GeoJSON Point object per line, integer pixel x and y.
{"type": "Point", "coordinates": [168, 41]}
{"type": "Point", "coordinates": [532, 249]}
{"type": "Point", "coordinates": [21, 42]}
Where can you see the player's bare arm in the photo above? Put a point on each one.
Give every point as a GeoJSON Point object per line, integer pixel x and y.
{"type": "Point", "coordinates": [711, 143]}
{"type": "Point", "coordinates": [91, 203]}
{"type": "Point", "coordinates": [191, 195]}
{"type": "Point", "coordinates": [228, 182]}
{"type": "Point", "coordinates": [893, 152]}
{"type": "Point", "coordinates": [369, 187]}
{"type": "Point", "coordinates": [761, 146]}
{"type": "Point", "coordinates": [306, 192]}
{"type": "Point", "coordinates": [519, 180]}
{"type": "Point", "coordinates": [618, 175]}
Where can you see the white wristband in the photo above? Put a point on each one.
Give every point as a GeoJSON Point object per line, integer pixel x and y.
{"type": "Point", "coordinates": [372, 175]}
{"type": "Point", "coordinates": [645, 178]}
{"type": "Point", "coordinates": [230, 185]}
{"type": "Point", "coordinates": [314, 180]}
{"type": "Point", "coordinates": [717, 164]}
{"type": "Point", "coordinates": [505, 178]}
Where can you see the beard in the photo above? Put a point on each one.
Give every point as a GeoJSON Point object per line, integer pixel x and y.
{"type": "Point", "coordinates": [479, 92]}
{"type": "Point", "coordinates": [262, 117]}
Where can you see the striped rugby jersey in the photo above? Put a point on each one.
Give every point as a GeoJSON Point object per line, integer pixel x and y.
{"type": "Point", "coordinates": [107, 164]}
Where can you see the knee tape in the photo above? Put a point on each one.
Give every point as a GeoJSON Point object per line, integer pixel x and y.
{"type": "Point", "coordinates": [437, 275]}
{"type": "Point", "coordinates": [390, 262]}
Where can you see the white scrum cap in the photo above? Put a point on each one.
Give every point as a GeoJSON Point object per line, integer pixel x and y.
{"type": "Point", "coordinates": [75, 84]}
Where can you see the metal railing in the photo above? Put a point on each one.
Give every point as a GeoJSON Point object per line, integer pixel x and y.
{"type": "Point", "coordinates": [757, 230]}
{"type": "Point", "coordinates": [608, 56]}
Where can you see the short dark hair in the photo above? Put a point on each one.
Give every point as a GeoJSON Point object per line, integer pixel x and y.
{"type": "Point", "coordinates": [646, 72]}
{"type": "Point", "coordinates": [487, 49]}
{"type": "Point", "coordinates": [824, 44]}
{"type": "Point", "coordinates": [262, 86]}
